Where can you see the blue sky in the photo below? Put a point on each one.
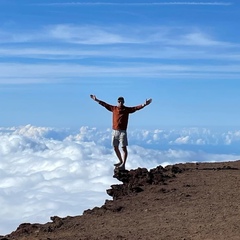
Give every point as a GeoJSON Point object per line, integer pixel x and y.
{"type": "Point", "coordinates": [184, 55]}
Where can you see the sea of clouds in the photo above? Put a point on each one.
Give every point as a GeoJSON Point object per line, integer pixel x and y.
{"type": "Point", "coordinates": [46, 171]}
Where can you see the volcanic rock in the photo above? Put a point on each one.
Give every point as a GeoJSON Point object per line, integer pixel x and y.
{"type": "Point", "coordinates": [192, 201]}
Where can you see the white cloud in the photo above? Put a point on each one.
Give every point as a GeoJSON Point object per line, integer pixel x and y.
{"type": "Point", "coordinates": [87, 35]}
{"type": "Point", "coordinates": [61, 72]}
{"type": "Point", "coordinates": [120, 52]}
{"type": "Point", "coordinates": [200, 142]}
{"type": "Point", "coordinates": [46, 171]}
{"type": "Point", "coordinates": [182, 140]}
{"type": "Point", "coordinates": [132, 47]}
{"type": "Point", "coordinates": [198, 39]}
{"type": "Point", "coordinates": [7, 36]}
{"type": "Point", "coordinates": [231, 136]}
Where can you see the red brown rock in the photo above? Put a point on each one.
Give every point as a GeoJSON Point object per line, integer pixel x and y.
{"type": "Point", "coordinates": [183, 201]}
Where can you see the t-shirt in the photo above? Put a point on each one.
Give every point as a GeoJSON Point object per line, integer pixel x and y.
{"type": "Point", "coordinates": [120, 114]}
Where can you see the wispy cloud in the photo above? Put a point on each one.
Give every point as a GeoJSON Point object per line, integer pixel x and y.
{"type": "Point", "coordinates": [99, 35]}
{"type": "Point", "coordinates": [88, 35]}
{"type": "Point", "coordinates": [74, 51]}
{"type": "Point", "coordinates": [140, 3]}
{"type": "Point", "coordinates": [64, 72]}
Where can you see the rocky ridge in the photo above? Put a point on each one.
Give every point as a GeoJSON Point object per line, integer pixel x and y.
{"type": "Point", "coordinates": [182, 201]}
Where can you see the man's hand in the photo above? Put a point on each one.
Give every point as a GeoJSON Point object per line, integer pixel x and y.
{"type": "Point", "coordinates": [148, 101]}
{"type": "Point", "coordinates": [93, 97]}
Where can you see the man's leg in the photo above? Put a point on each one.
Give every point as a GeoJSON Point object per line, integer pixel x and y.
{"type": "Point", "coordinates": [124, 143]}
{"type": "Point", "coordinates": [125, 155]}
{"type": "Point", "coordinates": [118, 153]}
{"type": "Point", "coordinates": [115, 144]}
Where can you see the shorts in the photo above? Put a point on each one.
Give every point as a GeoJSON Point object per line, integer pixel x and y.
{"type": "Point", "coordinates": [119, 137]}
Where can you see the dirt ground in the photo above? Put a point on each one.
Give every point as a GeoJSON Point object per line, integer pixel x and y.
{"type": "Point", "coordinates": [184, 201]}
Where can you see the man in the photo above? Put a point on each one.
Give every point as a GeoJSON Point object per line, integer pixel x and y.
{"type": "Point", "coordinates": [119, 126]}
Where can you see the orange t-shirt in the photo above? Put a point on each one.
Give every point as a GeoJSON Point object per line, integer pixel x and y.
{"type": "Point", "coordinates": [120, 114]}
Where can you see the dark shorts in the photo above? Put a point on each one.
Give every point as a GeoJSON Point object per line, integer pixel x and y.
{"type": "Point", "coordinates": [119, 137]}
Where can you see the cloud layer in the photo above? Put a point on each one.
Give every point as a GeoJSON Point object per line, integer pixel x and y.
{"type": "Point", "coordinates": [47, 171]}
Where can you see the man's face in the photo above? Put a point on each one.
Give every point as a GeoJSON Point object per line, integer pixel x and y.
{"type": "Point", "coordinates": [120, 102]}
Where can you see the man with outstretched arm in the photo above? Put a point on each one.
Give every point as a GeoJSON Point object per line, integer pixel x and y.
{"type": "Point", "coordinates": [119, 125]}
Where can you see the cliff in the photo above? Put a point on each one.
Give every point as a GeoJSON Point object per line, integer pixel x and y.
{"type": "Point", "coordinates": [183, 201]}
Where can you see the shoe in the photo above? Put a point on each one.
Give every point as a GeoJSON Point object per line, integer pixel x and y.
{"type": "Point", "coordinates": [121, 167]}
{"type": "Point", "coordinates": [118, 164]}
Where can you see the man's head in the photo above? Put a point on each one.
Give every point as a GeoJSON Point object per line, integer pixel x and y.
{"type": "Point", "coordinates": [120, 101]}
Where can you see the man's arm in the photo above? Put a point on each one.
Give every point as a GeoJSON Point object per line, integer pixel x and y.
{"type": "Point", "coordinates": [136, 108]}
{"type": "Point", "coordinates": [104, 104]}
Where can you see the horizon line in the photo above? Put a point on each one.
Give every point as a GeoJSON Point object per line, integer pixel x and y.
{"type": "Point", "coordinates": [140, 4]}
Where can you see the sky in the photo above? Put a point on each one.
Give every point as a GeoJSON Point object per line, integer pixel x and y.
{"type": "Point", "coordinates": [55, 152]}
{"type": "Point", "coordinates": [183, 54]}
{"type": "Point", "coordinates": [48, 172]}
